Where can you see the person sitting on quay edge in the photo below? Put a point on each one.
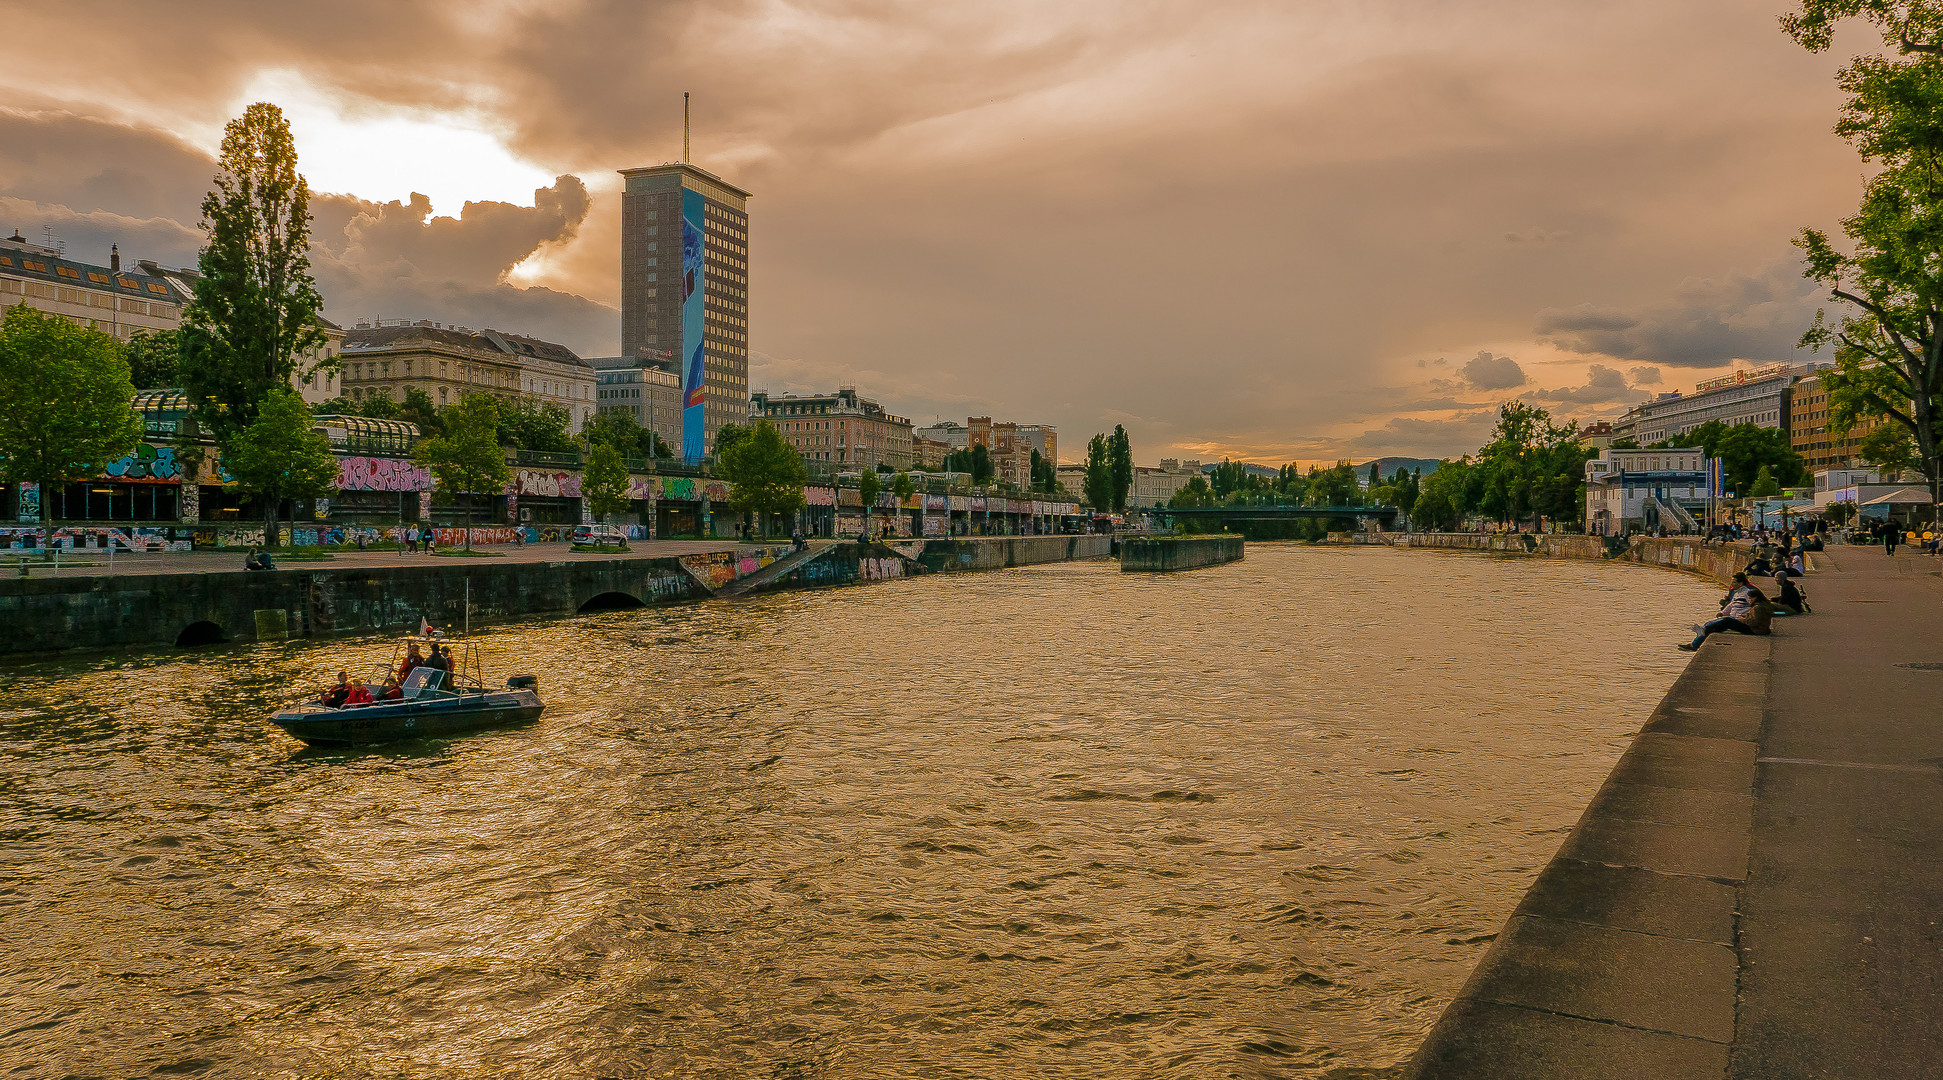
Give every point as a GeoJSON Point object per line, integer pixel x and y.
{"type": "Point", "coordinates": [1789, 600]}
{"type": "Point", "coordinates": [334, 697]}
{"type": "Point", "coordinates": [1759, 566]}
{"type": "Point", "coordinates": [1746, 610]}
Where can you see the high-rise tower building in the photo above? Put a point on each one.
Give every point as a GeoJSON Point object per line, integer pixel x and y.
{"type": "Point", "coordinates": [685, 290]}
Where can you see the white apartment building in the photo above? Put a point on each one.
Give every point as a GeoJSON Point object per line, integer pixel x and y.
{"type": "Point", "coordinates": [1640, 489]}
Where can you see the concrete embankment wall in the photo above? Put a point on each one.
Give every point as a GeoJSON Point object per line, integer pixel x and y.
{"type": "Point", "coordinates": [98, 611]}
{"type": "Point", "coordinates": [1717, 561]}
{"type": "Point", "coordinates": [1620, 961]}
{"type": "Point", "coordinates": [1165, 553]}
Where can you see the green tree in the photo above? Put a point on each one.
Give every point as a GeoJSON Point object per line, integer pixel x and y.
{"type": "Point", "coordinates": [1888, 347]}
{"type": "Point", "coordinates": [1375, 477]}
{"type": "Point", "coordinates": [154, 359]}
{"type": "Point", "coordinates": [279, 457]}
{"type": "Point", "coordinates": [604, 483]}
{"type": "Point", "coordinates": [1120, 456]}
{"type": "Point", "coordinates": [903, 487]}
{"type": "Point", "coordinates": [1195, 492]}
{"type": "Point", "coordinates": [64, 402]}
{"type": "Point", "coordinates": [1335, 486]}
{"type": "Point", "coordinates": [540, 426]}
{"type": "Point", "coordinates": [623, 432]}
{"type": "Point", "coordinates": [766, 475]}
{"type": "Point", "coordinates": [255, 307]}
{"type": "Point", "coordinates": [418, 409]}
{"type": "Point", "coordinates": [727, 436]}
{"type": "Point", "coordinates": [868, 488]}
{"type": "Point", "coordinates": [981, 465]}
{"type": "Point", "coordinates": [467, 458]}
{"type": "Point", "coordinates": [1099, 475]}
{"type": "Point", "coordinates": [1887, 447]}
{"type": "Point", "coordinates": [1764, 486]}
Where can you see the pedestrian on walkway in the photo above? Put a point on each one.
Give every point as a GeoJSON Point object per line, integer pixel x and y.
{"type": "Point", "coordinates": [1891, 536]}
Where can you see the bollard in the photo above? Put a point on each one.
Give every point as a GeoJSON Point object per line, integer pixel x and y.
{"type": "Point", "coordinates": [272, 624]}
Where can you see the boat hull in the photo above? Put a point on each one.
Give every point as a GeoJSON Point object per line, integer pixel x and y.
{"type": "Point", "coordinates": [396, 721]}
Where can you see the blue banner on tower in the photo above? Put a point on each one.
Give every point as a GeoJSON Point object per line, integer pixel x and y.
{"type": "Point", "coordinates": [693, 371]}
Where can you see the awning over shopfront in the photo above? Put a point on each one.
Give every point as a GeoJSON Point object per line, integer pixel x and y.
{"type": "Point", "coordinates": [1910, 496]}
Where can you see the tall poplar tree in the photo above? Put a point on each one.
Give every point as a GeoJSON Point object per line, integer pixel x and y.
{"type": "Point", "coordinates": [1098, 482]}
{"type": "Point", "coordinates": [255, 305]}
{"type": "Point", "coordinates": [1119, 450]}
{"type": "Point", "coordinates": [466, 458]}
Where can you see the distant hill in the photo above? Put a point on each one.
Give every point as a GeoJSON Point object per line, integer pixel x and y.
{"type": "Point", "coordinates": [1388, 466]}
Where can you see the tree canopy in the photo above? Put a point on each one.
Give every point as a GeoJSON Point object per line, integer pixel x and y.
{"type": "Point", "coordinates": [619, 429]}
{"type": "Point", "coordinates": [64, 401]}
{"type": "Point", "coordinates": [604, 484]}
{"type": "Point", "coordinates": [1119, 449]}
{"type": "Point", "coordinates": [1888, 341]}
{"type": "Point", "coordinates": [254, 310]}
{"type": "Point", "coordinates": [279, 457]}
{"type": "Point", "coordinates": [467, 459]}
{"type": "Point", "coordinates": [154, 359]}
{"type": "Point", "coordinates": [766, 475]}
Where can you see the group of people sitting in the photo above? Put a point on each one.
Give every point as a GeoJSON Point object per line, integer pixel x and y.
{"type": "Point", "coordinates": [346, 692]}
{"type": "Point", "coordinates": [1747, 610]}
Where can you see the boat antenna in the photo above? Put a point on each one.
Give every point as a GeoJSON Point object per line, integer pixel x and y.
{"type": "Point", "coordinates": [468, 628]}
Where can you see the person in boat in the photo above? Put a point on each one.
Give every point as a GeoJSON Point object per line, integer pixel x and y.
{"type": "Point", "coordinates": [1746, 610]}
{"type": "Point", "coordinates": [413, 659]}
{"type": "Point", "coordinates": [438, 660]}
{"type": "Point", "coordinates": [391, 691]}
{"type": "Point", "coordinates": [334, 697]}
{"type": "Point", "coordinates": [360, 695]}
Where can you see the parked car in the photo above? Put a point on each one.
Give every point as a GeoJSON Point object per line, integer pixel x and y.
{"type": "Point", "coordinates": [599, 534]}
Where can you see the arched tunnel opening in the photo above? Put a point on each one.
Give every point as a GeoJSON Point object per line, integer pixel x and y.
{"type": "Point", "coordinates": [200, 633]}
{"type": "Point", "coordinates": [612, 601]}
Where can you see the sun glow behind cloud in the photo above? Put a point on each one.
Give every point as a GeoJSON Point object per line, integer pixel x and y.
{"type": "Point", "coordinates": [379, 153]}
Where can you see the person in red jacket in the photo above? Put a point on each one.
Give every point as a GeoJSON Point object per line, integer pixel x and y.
{"type": "Point", "coordinates": [360, 695]}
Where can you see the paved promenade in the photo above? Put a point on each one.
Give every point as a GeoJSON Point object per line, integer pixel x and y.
{"type": "Point", "coordinates": [196, 562]}
{"type": "Point", "coordinates": [1756, 891]}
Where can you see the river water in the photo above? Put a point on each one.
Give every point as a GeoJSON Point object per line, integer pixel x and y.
{"type": "Point", "coordinates": [1256, 820]}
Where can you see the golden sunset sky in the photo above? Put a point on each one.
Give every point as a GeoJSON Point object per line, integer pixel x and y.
{"type": "Point", "coordinates": [1269, 230]}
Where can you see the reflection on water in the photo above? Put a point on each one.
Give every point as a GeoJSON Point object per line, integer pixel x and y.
{"type": "Point", "coordinates": [1255, 820]}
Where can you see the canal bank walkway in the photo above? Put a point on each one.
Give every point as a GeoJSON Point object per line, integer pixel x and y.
{"type": "Point", "coordinates": [1757, 890]}
{"type": "Point", "coordinates": [89, 561]}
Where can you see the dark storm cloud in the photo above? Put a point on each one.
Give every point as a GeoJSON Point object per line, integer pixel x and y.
{"type": "Point", "coordinates": [1708, 323]}
{"type": "Point", "coordinates": [1644, 376]}
{"type": "Point", "coordinates": [1232, 216]}
{"type": "Point", "coordinates": [1487, 372]}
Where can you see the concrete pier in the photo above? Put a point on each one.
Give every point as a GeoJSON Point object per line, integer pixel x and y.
{"type": "Point", "coordinates": [1755, 891]}
{"type": "Point", "coordinates": [1166, 553]}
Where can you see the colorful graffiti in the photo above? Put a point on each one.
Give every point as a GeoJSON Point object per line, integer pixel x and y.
{"type": "Point", "coordinates": [820, 496]}
{"type": "Point", "coordinates": [381, 474]}
{"type": "Point", "coordinates": [147, 465]}
{"type": "Point", "coordinates": [558, 485]}
{"type": "Point", "coordinates": [714, 569]}
{"type": "Point", "coordinates": [29, 501]}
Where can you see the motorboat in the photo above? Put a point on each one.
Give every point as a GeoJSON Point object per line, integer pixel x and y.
{"type": "Point", "coordinates": [429, 702]}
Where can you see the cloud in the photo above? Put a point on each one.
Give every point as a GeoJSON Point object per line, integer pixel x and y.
{"type": "Point", "coordinates": [1487, 372]}
{"type": "Point", "coordinates": [1603, 386]}
{"type": "Point", "coordinates": [396, 260]}
{"type": "Point", "coordinates": [1427, 438]}
{"type": "Point", "coordinates": [1708, 322]}
{"type": "Point", "coordinates": [1028, 226]}
{"type": "Point", "coordinates": [1644, 376]}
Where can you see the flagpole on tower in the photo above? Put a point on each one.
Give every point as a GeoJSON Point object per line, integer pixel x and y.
{"type": "Point", "coordinates": [684, 127]}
